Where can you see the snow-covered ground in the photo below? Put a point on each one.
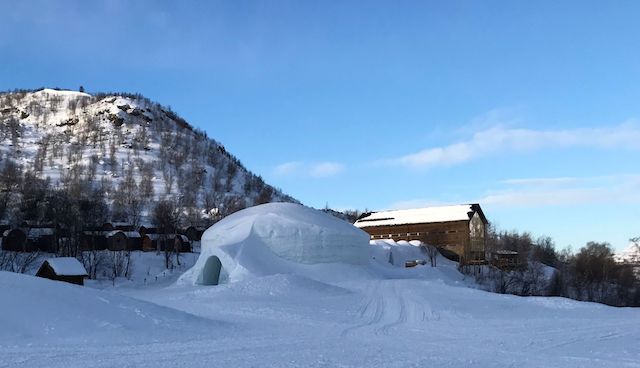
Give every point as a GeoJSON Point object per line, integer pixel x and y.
{"type": "Point", "coordinates": [373, 315]}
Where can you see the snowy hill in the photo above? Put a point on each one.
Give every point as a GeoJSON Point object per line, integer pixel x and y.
{"type": "Point", "coordinates": [123, 144]}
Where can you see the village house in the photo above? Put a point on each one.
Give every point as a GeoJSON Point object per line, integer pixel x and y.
{"type": "Point", "coordinates": [67, 269]}
{"type": "Point", "coordinates": [459, 231]}
{"type": "Point", "coordinates": [152, 242]}
{"type": "Point", "coordinates": [505, 259]}
{"type": "Point", "coordinates": [115, 237]}
{"type": "Point", "coordinates": [14, 240]}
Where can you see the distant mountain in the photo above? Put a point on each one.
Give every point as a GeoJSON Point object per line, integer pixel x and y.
{"type": "Point", "coordinates": [122, 147]}
{"type": "Point", "coordinates": [631, 254]}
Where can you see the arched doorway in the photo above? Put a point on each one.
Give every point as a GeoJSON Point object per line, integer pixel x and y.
{"type": "Point", "coordinates": [211, 271]}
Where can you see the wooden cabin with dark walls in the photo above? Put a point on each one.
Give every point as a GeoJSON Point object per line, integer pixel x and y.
{"type": "Point", "coordinates": [14, 240]}
{"type": "Point", "coordinates": [67, 269]}
{"type": "Point", "coordinates": [459, 231]}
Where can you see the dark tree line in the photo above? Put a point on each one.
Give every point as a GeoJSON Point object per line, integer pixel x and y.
{"type": "Point", "coordinates": [590, 274]}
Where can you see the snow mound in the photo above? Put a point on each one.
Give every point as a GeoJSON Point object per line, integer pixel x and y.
{"type": "Point", "coordinates": [275, 238]}
{"type": "Point", "coordinates": [37, 308]}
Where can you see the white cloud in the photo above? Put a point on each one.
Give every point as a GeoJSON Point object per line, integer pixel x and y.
{"type": "Point", "coordinates": [316, 170]}
{"type": "Point", "coordinates": [287, 167]}
{"type": "Point", "coordinates": [546, 192]}
{"type": "Point", "coordinates": [498, 139]}
{"type": "Point", "coordinates": [540, 192]}
{"type": "Point", "coordinates": [325, 169]}
{"type": "Point", "coordinates": [415, 203]}
{"type": "Point", "coordinates": [542, 181]}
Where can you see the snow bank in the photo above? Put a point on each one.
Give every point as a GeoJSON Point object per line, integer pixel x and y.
{"type": "Point", "coordinates": [279, 238]}
{"type": "Point", "coordinates": [41, 309]}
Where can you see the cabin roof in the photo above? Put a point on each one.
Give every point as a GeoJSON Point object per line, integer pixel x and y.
{"type": "Point", "coordinates": [128, 234]}
{"type": "Point", "coordinates": [66, 266]}
{"type": "Point", "coordinates": [462, 212]}
{"type": "Point", "coordinates": [38, 232]}
{"type": "Point", "coordinates": [169, 236]}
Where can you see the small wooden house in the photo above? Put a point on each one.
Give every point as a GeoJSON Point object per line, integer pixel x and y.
{"type": "Point", "coordinates": [67, 269]}
{"type": "Point", "coordinates": [151, 242]}
{"type": "Point", "coordinates": [124, 226]}
{"type": "Point", "coordinates": [42, 238]}
{"type": "Point", "coordinates": [14, 240]}
{"type": "Point", "coordinates": [107, 226]}
{"type": "Point", "coordinates": [144, 230]}
{"type": "Point", "coordinates": [505, 259]}
{"type": "Point", "coordinates": [457, 231]}
{"type": "Point", "coordinates": [123, 240]}
{"type": "Point", "coordinates": [193, 233]}
{"type": "Point", "coordinates": [93, 239]}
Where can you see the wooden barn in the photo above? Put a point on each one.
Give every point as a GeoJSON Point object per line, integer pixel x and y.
{"type": "Point", "coordinates": [67, 269]}
{"type": "Point", "coordinates": [459, 231]}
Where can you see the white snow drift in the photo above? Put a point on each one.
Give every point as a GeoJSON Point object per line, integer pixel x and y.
{"type": "Point", "coordinates": [278, 238]}
{"type": "Point", "coordinates": [55, 312]}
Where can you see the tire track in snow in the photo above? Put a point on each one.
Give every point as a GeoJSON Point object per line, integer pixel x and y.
{"type": "Point", "coordinates": [385, 307]}
{"type": "Point", "coordinates": [402, 313]}
{"type": "Point", "coordinates": [372, 306]}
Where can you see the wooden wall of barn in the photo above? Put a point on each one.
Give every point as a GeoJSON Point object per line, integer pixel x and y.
{"type": "Point", "coordinates": [452, 237]}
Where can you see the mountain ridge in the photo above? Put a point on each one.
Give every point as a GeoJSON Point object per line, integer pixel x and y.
{"type": "Point", "coordinates": [125, 147]}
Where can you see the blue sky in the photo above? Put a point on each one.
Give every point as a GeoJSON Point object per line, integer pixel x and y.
{"type": "Point", "coordinates": [530, 108]}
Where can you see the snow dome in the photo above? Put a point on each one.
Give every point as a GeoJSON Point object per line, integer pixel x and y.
{"type": "Point", "coordinates": [275, 238]}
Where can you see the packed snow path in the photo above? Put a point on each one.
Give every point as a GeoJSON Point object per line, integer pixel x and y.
{"type": "Point", "coordinates": [292, 321]}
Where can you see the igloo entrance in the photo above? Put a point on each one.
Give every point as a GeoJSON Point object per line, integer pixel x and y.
{"type": "Point", "coordinates": [211, 271]}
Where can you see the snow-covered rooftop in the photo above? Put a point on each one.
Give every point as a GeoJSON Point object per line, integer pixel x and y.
{"type": "Point", "coordinates": [128, 234]}
{"type": "Point", "coordinates": [38, 232]}
{"type": "Point", "coordinates": [417, 216]}
{"type": "Point", "coordinates": [168, 236]}
{"type": "Point", "coordinates": [67, 266]}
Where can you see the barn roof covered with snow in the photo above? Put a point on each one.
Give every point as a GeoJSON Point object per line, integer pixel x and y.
{"type": "Point", "coordinates": [66, 266]}
{"type": "Point", "coordinates": [462, 212]}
